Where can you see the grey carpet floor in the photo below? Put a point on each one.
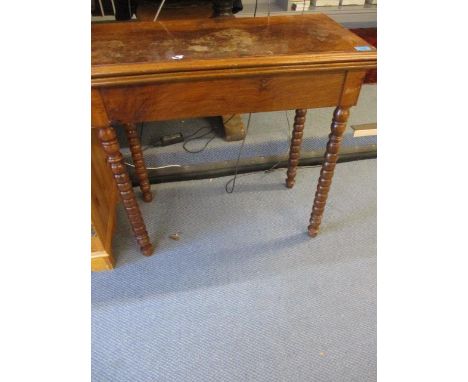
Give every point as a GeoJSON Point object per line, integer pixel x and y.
{"type": "Point", "coordinates": [245, 294]}
{"type": "Point", "coordinates": [268, 135]}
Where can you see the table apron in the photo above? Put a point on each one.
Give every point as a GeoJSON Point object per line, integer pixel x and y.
{"type": "Point", "coordinates": [198, 98]}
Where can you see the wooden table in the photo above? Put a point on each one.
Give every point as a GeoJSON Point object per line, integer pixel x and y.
{"type": "Point", "coordinates": [183, 69]}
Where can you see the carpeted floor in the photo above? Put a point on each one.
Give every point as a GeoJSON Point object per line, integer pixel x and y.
{"type": "Point", "coordinates": [245, 294]}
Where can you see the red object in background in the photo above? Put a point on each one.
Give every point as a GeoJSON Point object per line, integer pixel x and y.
{"type": "Point", "coordinates": [370, 35]}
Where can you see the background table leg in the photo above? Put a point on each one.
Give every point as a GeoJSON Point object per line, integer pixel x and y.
{"type": "Point", "coordinates": [338, 126]}
{"type": "Point", "coordinates": [108, 140]}
{"type": "Point", "coordinates": [233, 128]}
{"type": "Point", "coordinates": [296, 141]}
{"type": "Point", "coordinates": [138, 161]}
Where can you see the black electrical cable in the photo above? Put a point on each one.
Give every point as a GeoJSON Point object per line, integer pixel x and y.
{"type": "Point", "coordinates": [231, 117]}
{"type": "Point", "coordinates": [271, 169]}
{"type": "Point", "coordinates": [192, 137]}
{"type": "Point", "coordinates": [233, 179]}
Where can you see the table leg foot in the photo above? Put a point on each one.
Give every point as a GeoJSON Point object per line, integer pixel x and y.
{"type": "Point", "coordinates": [338, 127]}
{"type": "Point", "coordinates": [313, 232]}
{"type": "Point", "coordinates": [109, 143]}
{"type": "Point", "coordinates": [138, 161]}
{"type": "Point", "coordinates": [234, 129]}
{"type": "Point", "coordinates": [147, 250]}
{"type": "Point", "coordinates": [295, 150]}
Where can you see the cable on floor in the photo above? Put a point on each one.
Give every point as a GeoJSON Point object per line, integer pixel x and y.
{"type": "Point", "coordinates": [232, 181]}
{"type": "Point", "coordinates": [192, 137]}
{"type": "Point", "coordinates": [212, 130]}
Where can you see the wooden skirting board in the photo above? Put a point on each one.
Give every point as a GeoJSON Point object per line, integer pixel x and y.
{"type": "Point", "coordinates": [364, 130]}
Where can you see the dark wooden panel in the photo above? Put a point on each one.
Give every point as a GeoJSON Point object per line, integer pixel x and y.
{"type": "Point", "coordinates": [223, 96]}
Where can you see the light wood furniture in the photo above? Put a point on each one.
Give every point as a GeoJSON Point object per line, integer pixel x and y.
{"type": "Point", "coordinates": [364, 130]}
{"type": "Point", "coordinates": [101, 258]}
{"type": "Point", "coordinates": [234, 129]}
{"type": "Point", "coordinates": [183, 69]}
{"type": "Point", "coordinates": [104, 198]}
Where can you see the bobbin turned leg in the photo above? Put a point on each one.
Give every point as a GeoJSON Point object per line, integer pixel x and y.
{"type": "Point", "coordinates": [108, 140]}
{"type": "Point", "coordinates": [295, 151]}
{"type": "Point", "coordinates": [338, 126]}
{"type": "Point", "coordinates": [138, 161]}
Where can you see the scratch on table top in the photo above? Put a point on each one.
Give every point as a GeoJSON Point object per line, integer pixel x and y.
{"type": "Point", "coordinates": [227, 40]}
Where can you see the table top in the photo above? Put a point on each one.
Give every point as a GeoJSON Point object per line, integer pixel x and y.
{"type": "Point", "coordinates": [129, 48]}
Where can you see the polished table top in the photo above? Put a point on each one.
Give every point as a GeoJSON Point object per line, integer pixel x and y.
{"type": "Point", "coordinates": [127, 48]}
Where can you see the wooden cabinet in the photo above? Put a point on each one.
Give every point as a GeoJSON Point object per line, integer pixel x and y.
{"type": "Point", "coordinates": [104, 198]}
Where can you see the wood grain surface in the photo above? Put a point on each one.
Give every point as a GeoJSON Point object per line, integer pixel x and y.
{"type": "Point", "coordinates": [190, 45]}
